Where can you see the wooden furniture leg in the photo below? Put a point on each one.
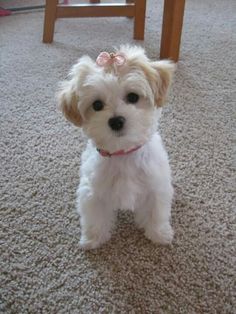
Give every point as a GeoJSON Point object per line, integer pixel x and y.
{"type": "Point", "coordinates": [49, 20]}
{"type": "Point", "coordinates": [171, 29]}
{"type": "Point", "coordinates": [139, 19]}
{"type": "Point", "coordinates": [132, 8]}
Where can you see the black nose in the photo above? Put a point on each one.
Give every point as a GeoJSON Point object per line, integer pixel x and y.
{"type": "Point", "coordinates": [116, 123]}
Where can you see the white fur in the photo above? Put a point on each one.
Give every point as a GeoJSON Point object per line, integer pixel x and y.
{"type": "Point", "coordinates": [139, 181]}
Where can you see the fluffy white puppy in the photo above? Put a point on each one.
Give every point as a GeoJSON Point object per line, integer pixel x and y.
{"type": "Point", "coordinates": [125, 166]}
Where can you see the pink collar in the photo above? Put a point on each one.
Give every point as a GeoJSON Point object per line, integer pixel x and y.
{"type": "Point", "coordinates": [105, 153]}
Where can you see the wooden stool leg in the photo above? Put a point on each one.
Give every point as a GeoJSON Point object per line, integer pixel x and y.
{"type": "Point", "coordinates": [139, 19]}
{"type": "Point", "coordinates": [49, 20]}
{"type": "Point", "coordinates": [171, 29]}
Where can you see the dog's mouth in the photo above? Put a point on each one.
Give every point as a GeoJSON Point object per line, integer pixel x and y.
{"type": "Point", "coordinates": [119, 133]}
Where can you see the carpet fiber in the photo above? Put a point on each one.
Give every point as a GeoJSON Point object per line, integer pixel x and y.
{"type": "Point", "coordinates": [42, 268]}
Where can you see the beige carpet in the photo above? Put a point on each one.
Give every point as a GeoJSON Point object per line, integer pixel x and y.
{"type": "Point", "coordinates": [42, 269]}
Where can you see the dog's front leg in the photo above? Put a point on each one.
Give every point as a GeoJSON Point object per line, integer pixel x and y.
{"type": "Point", "coordinates": [154, 216]}
{"type": "Point", "coordinates": [96, 220]}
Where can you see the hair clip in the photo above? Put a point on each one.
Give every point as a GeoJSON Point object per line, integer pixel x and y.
{"type": "Point", "coordinates": [106, 58]}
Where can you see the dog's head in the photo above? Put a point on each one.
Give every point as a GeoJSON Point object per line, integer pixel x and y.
{"type": "Point", "coordinates": [115, 99]}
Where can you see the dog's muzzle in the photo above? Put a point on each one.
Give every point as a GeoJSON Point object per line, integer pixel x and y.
{"type": "Point", "coordinates": [116, 123]}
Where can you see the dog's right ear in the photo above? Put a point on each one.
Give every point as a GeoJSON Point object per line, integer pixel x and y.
{"type": "Point", "coordinates": [68, 95]}
{"type": "Point", "coordinates": [68, 102]}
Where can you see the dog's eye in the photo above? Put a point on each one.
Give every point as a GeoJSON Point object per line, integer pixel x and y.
{"type": "Point", "coordinates": [98, 105]}
{"type": "Point", "coordinates": [132, 98]}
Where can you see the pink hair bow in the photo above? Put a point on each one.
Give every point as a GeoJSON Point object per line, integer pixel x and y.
{"type": "Point", "coordinates": [106, 58]}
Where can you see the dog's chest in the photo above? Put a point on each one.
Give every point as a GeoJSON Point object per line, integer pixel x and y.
{"type": "Point", "coordinates": [123, 184]}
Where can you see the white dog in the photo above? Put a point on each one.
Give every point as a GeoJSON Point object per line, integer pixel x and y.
{"type": "Point", "coordinates": [125, 166]}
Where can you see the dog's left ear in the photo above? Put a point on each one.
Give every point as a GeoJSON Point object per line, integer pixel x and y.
{"type": "Point", "coordinates": [164, 72]}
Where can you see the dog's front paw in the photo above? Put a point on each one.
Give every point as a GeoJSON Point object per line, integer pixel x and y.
{"type": "Point", "coordinates": [93, 242]}
{"type": "Point", "coordinates": [89, 244]}
{"type": "Point", "coordinates": [162, 234]}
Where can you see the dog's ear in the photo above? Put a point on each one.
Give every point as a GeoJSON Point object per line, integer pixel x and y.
{"type": "Point", "coordinates": [68, 102]}
{"type": "Point", "coordinates": [68, 94]}
{"type": "Point", "coordinates": [164, 72]}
